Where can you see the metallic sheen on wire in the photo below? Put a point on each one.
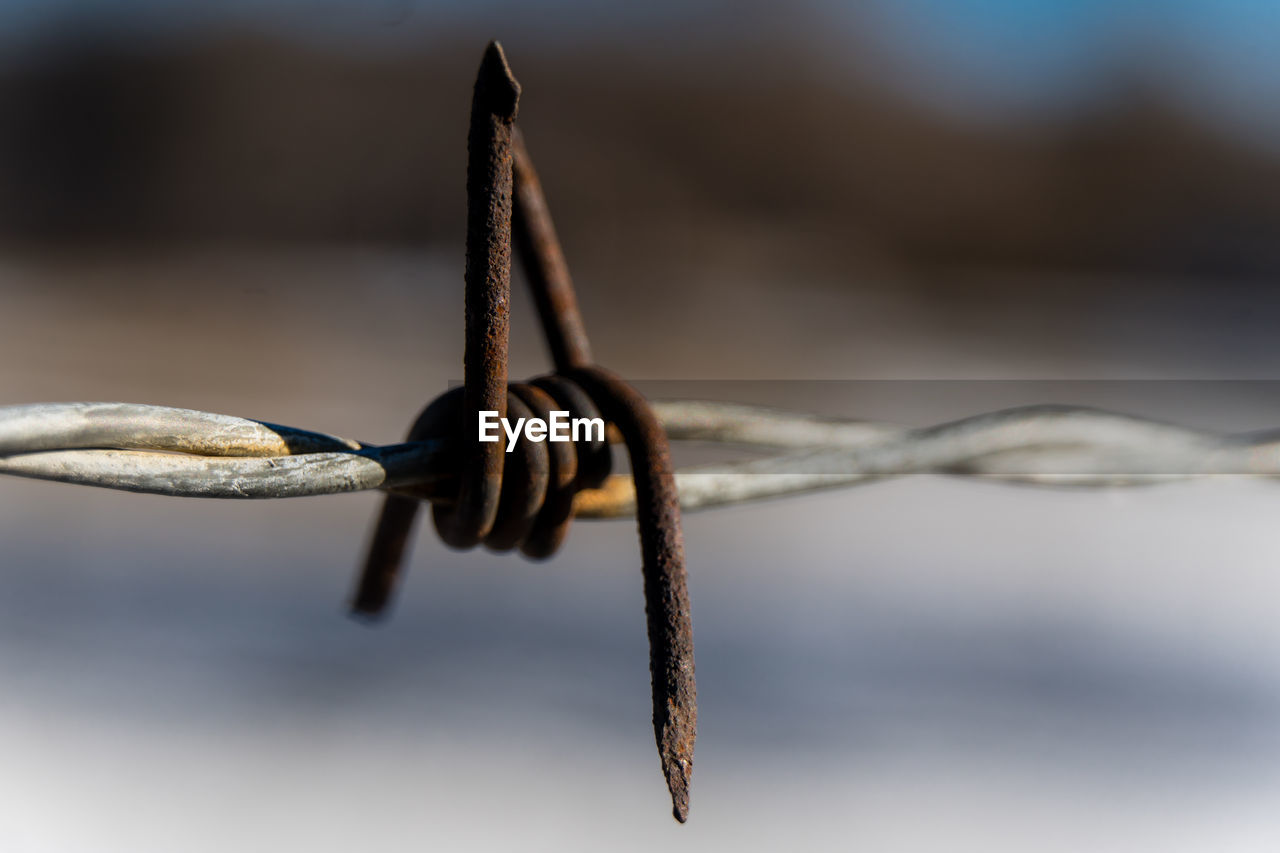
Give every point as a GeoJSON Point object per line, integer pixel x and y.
{"type": "Point", "coordinates": [186, 453]}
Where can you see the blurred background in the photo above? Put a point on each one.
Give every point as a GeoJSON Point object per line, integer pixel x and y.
{"type": "Point", "coordinates": [911, 210]}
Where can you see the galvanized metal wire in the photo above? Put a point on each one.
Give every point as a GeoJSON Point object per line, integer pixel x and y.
{"type": "Point", "coordinates": [186, 453]}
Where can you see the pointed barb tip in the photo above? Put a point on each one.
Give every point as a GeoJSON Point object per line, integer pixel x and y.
{"type": "Point", "coordinates": [677, 773]}
{"type": "Point", "coordinates": [496, 85]}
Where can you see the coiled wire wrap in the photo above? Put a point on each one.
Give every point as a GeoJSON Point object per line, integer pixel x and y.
{"type": "Point", "coordinates": [539, 479]}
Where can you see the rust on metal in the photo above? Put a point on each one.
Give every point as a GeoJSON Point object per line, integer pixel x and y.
{"type": "Point", "coordinates": [386, 556]}
{"type": "Point", "coordinates": [551, 525]}
{"type": "Point", "coordinates": [666, 588]}
{"type": "Point", "coordinates": [675, 714]}
{"type": "Point", "coordinates": [488, 296]}
{"type": "Point", "coordinates": [524, 486]}
{"type": "Point", "coordinates": [389, 548]}
{"type": "Point", "coordinates": [544, 265]}
{"type": "Point", "coordinates": [595, 460]}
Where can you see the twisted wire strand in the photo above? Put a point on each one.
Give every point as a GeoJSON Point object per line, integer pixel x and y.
{"type": "Point", "coordinates": [1046, 445]}
{"type": "Point", "coordinates": [186, 453]}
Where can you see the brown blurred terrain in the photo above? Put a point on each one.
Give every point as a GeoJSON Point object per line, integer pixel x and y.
{"type": "Point", "coordinates": [756, 152]}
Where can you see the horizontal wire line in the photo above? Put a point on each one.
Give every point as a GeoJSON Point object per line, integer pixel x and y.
{"type": "Point", "coordinates": [187, 453]}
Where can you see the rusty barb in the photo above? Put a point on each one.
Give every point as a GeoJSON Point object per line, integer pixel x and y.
{"type": "Point", "coordinates": [525, 499]}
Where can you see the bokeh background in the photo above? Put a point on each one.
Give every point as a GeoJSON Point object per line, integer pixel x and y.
{"type": "Point", "coordinates": [909, 210]}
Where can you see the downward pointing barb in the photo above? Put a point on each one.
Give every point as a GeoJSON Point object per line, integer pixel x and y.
{"type": "Point", "coordinates": [666, 587]}
{"type": "Point", "coordinates": [677, 772]}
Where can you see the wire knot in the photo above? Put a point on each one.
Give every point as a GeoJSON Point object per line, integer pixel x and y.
{"type": "Point", "coordinates": [524, 499]}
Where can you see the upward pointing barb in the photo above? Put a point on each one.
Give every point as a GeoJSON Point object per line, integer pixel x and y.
{"type": "Point", "coordinates": [496, 86]}
{"type": "Point", "coordinates": [487, 299]}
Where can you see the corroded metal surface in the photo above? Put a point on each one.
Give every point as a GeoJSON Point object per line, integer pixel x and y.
{"type": "Point", "coordinates": [594, 458]}
{"type": "Point", "coordinates": [390, 545]}
{"type": "Point", "coordinates": [551, 524]}
{"type": "Point", "coordinates": [666, 590]}
{"type": "Point", "coordinates": [524, 486]}
{"type": "Point", "coordinates": [488, 296]}
{"type": "Point", "coordinates": [544, 265]}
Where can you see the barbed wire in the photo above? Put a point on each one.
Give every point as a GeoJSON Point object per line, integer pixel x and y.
{"type": "Point", "coordinates": [185, 453]}
{"type": "Point", "coordinates": [480, 494]}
